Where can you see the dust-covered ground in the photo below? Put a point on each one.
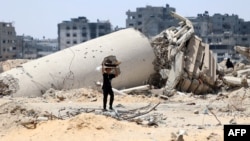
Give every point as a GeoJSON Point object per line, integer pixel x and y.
{"type": "Point", "coordinates": [77, 115]}
{"type": "Point", "coordinates": [142, 116]}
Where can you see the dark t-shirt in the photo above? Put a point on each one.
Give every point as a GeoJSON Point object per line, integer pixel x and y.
{"type": "Point", "coordinates": [107, 80]}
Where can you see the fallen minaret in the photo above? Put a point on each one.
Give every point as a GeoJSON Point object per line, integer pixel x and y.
{"type": "Point", "coordinates": [75, 67]}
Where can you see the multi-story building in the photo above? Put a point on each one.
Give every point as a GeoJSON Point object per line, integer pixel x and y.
{"type": "Point", "coordinates": [79, 30]}
{"type": "Point", "coordinates": [151, 20]}
{"type": "Point", "coordinates": [222, 32]}
{"type": "Point", "coordinates": [35, 48]}
{"type": "Point", "coordinates": [8, 48]}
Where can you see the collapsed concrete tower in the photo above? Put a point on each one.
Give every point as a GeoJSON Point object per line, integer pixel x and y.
{"type": "Point", "coordinates": [75, 67]}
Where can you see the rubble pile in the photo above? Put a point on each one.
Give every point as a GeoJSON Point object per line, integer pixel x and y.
{"type": "Point", "coordinates": [239, 75]}
{"type": "Point", "coordinates": [8, 85]}
{"type": "Point", "coordinates": [12, 63]}
{"type": "Point", "coordinates": [245, 51]}
{"type": "Point", "coordinates": [183, 60]}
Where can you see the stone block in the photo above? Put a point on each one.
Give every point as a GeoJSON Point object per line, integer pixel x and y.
{"type": "Point", "coordinates": [185, 85]}
{"type": "Point", "coordinates": [176, 71]}
{"type": "Point", "coordinates": [191, 55]}
{"type": "Point", "coordinates": [193, 86]}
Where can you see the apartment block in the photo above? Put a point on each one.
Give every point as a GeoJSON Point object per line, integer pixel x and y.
{"type": "Point", "coordinates": [151, 20]}
{"type": "Point", "coordinates": [8, 48]}
{"type": "Point", "coordinates": [222, 32]}
{"type": "Point", "coordinates": [36, 48]}
{"type": "Point", "coordinates": [79, 30]}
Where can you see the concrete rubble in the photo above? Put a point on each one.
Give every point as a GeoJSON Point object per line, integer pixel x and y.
{"type": "Point", "coordinates": [239, 76]}
{"type": "Point", "coordinates": [175, 60]}
{"type": "Point", "coordinates": [183, 60]}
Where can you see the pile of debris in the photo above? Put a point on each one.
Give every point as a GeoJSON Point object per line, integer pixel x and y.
{"type": "Point", "coordinates": [183, 60]}
{"type": "Point", "coordinates": [12, 63]}
{"type": "Point", "coordinates": [239, 75]}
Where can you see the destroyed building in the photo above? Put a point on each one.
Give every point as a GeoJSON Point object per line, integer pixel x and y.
{"type": "Point", "coordinates": [151, 20]}
{"type": "Point", "coordinates": [79, 30]}
{"type": "Point", "coordinates": [8, 46]}
{"type": "Point", "coordinates": [184, 59]}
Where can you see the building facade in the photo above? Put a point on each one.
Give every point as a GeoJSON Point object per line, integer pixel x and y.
{"type": "Point", "coordinates": [31, 48]}
{"type": "Point", "coordinates": [8, 48]}
{"type": "Point", "coordinates": [151, 20]}
{"type": "Point", "coordinates": [79, 30]}
{"type": "Point", "coordinates": [222, 32]}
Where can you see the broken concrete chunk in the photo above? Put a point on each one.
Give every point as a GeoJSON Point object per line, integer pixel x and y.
{"type": "Point", "coordinates": [235, 81]}
{"type": "Point", "coordinates": [191, 63]}
{"type": "Point", "coordinates": [191, 54]}
{"type": "Point", "coordinates": [176, 71]}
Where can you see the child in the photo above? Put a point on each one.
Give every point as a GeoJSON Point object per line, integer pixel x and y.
{"type": "Point", "coordinates": [107, 86]}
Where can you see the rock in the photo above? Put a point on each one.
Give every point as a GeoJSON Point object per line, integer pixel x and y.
{"type": "Point", "coordinates": [93, 100]}
{"type": "Point", "coordinates": [42, 119]}
{"type": "Point", "coordinates": [200, 127]}
{"type": "Point", "coordinates": [233, 121]}
{"type": "Point", "coordinates": [163, 97]}
{"type": "Point", "coordinates": [196, 112]}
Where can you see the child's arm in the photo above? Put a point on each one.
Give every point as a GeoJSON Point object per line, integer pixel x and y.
{"type": "Point", "coordinates": [116, 72]}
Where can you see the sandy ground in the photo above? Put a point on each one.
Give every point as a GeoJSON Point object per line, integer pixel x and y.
{"type": "Point", "coordinates": [76, 115]}
{"type": "Point", "coordinates": [200, 117]}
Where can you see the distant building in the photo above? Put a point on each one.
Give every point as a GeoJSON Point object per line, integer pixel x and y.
{"type": "Point", "coordinates": [151, 20]}
{"type": "Point", "coordinates": [46, 46]}
{"type": "Point", "coordinates": [34, 48]}
{"type": "Point", "coordinates": [8, 48]}
{"type": "Point", "coordinates": [79, 30]}
{"type": "Point", "coordinates": [222, 32]}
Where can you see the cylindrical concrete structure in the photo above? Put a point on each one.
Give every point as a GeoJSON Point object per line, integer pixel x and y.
{"type": "Point", "coordinates": [75, 67]}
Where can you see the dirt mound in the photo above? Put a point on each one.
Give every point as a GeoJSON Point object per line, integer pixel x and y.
{"type": "Point", "coordinates": [74, 115]}
{"type": "Point", "coordinates": [9, 64]}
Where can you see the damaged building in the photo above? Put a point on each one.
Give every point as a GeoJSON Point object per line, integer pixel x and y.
{"type": "Point", "coordinates": [79, 30]}
{"type": "Point", "coordinates": [8, 46]}
{"type": "Point", "coordinates": [184, 60]}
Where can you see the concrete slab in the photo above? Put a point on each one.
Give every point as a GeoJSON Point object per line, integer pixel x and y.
{"type": "Point", "coordinates": [192, 51]}
{"type": "Point", "coordinates": [193, 86]}
{"type": "Point", "coordinates": [176, 71]}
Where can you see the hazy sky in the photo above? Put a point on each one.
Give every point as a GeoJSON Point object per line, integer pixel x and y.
{"type": "Point", "coordinates": [39, 18]}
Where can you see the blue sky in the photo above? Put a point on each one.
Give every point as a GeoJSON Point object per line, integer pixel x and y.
{"type": "Point", "coordinates": [39, 18]}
